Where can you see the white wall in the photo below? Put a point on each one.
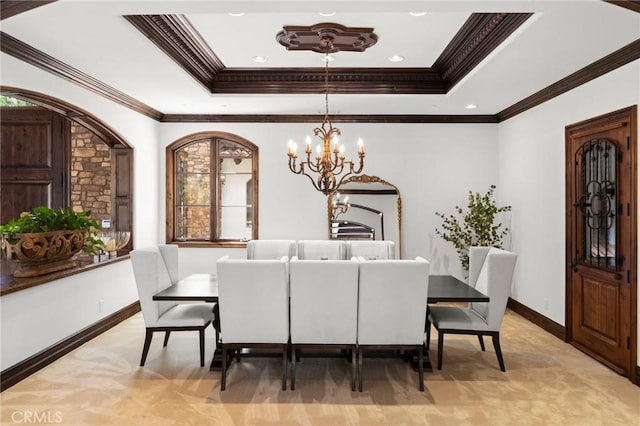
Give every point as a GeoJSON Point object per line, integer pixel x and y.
{"type": "Point", "coordinates": [38, 317]}
{"type": "Point", "coordinates": [531, 162]}
{"type": "Point", "coordinates": [35, 318]}
{"type": "Point", "coordinates": [434, 166]}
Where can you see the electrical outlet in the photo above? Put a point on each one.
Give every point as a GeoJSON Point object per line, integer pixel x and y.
{"type": "Point", "coordinates": [100, 305]}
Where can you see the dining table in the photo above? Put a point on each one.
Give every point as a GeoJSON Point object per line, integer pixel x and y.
{"type": "Point", "coordinates": [204, 288]}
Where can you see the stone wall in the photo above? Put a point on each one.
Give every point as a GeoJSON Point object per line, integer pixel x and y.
{"type": "Point", "coordinates": [90, 173]}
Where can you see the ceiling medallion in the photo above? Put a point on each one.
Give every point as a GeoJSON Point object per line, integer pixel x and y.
{"type": "Point", "coordinates": [344, 39]}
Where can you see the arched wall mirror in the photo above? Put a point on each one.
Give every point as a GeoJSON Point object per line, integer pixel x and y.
{"type": "Point", "coordinates": [366, 207]}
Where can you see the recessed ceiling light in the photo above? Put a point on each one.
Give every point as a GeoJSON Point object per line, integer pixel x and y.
{"type": "Point", "coordinates": [327, 13]}
{"type": "Point", "coordinates": [259, 59]}
{"type": "Point", "coordinates": [417, 13]}
{"type": "Point", "coordinates": [236, 13]}
{"type": "Point", "coordinates": [471, 106]}
{"type": "Point", "coordinates": [396, 58]}
{"type": "Point", "coordinates": [328, 58]}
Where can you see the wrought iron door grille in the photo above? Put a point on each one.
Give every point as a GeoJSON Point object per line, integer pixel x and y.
{"type": "Point", "coordinates": [596, 208]}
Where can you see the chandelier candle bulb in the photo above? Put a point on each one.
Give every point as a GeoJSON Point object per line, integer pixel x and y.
{"type": "Point", "coordinates": [292, 149]}
{"type": "Point", "coordinates": [308, 148]}
{"type": "Point", "coordinates": [360, 147]}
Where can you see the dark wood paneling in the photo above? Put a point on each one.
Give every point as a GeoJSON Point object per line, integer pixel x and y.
{"type": "Point", "coordinates": [538, 319]}
{"type": "Point", "coordinates": [24, 52]}
{"type": "Point", "coordinates": [24, 369]}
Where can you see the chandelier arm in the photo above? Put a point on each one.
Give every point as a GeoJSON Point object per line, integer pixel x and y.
{"type": "Point", "coordinates": [314, 167]}
{"type": "Point", "coordinates": [292, 165]}
{"type": "Point", "coordinates": [361, 155]}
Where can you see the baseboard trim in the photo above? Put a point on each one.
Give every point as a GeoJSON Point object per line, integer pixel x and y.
{"type": "Point", "coordinates": [24, 369]}
{"type": "Point", "coordinates": [538, 319]}
{"type": "Point", "coordinates": [637, 382]}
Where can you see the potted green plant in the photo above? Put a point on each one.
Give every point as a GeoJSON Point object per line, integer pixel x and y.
{"type": "Point", "coordinates": [45, 240]}
{"type": "Point", "coordinates": [474, 227]}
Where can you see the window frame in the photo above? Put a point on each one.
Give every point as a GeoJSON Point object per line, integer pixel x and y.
{"type": "Point", "coordinates": [172, 191]}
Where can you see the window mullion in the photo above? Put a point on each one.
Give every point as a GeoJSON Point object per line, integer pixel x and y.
{"type": "Point", "coordinates": [214, 215]}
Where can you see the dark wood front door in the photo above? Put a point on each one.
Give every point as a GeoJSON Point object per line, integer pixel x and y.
{"type": "Point", "coordinates": [601, 238]}
{"type": "Point", "coordinates": [34, 161]}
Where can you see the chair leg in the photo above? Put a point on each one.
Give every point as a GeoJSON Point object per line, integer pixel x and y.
{"type": "Point", "coordinates": [223, 378]}
{"type": "Point", "coordinates": [481, 340]}
{"type": "Point", "coordinates": [420, 369]}
{"type": "Point", "coordinates": [354, 369]}
{"type": "Point", "coordinates": [293, 370]}
{"type": "Point", "coordinates": [360, 356]}
{"type": "Point", "coordinates": [440, 345]}
{"type": "Point", "coordinates": [284, 368]}
{"type": "Point", "coordinates": [145, 348]}
{"type": "Point", "coordinates": [428, 330]}
{"type": "Point", "coordinates": [217, 335]}
{"type": "Point", "coordinates": [496, 346]}
{"type": "Point", "coordinates": [201, 331]}
{"type": "Point", "coordinates": [166, 337]}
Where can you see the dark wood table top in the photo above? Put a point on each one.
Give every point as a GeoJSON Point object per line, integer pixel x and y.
{"type": "Point", "coordinates": [196, 287]}
{"type": "Point", "coordinates": [204, 287]}
{"type": "Point", "coordinates": [447, 288]}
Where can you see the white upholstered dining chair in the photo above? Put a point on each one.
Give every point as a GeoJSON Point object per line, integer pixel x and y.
{"type": "Point", "coordinates": [494, 279]}
{"type": "Point", "coordinates": [477, 256]}
{"type": "Point", "coordinates": [271, 249]}
{"type": "Point", "coordinates": [156, 268]}
{"type": "Point", "coordinates": [391, 308]}
{"type": "Point", "coordinates": [322, 250]}
{"type": "Point", "coordinates": [253, 298]}
{"type": "Point", "coordinates": [371, 250]}
{"type": "Point", "coordinates": [324, 307]}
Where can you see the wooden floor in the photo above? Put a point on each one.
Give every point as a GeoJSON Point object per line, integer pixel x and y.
{"type": "Point", "coordinates": [547, 382]}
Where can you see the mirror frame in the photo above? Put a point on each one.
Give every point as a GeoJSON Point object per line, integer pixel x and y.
{"type": "Point", "coordinates": [366, 179]}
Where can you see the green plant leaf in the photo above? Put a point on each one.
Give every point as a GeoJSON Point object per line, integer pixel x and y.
{"type": "Point", "coordinates": [476, 225]}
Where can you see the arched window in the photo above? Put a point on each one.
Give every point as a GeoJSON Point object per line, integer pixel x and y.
{"type": "Point", "coordinates": [212, 190]}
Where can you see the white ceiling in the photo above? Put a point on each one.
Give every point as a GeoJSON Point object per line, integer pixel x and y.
{"type": "Point", "coordinates": [92, 36]}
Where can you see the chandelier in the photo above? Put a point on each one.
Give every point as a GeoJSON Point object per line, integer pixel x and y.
{"type": "Point", "coordinates": [339, 206]}
{"type": "Point", "coordinates": [329, 163]}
